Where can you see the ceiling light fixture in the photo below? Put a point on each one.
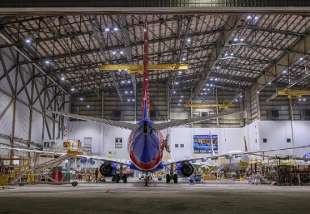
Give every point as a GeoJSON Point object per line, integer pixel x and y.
{"type": "Point", "coordinates": [28, 40]}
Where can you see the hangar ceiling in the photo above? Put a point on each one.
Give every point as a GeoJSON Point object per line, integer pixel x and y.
{"type": "Point", "coordinates": [227, 52]}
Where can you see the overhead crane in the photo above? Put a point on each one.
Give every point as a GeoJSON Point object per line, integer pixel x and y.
{"type": "Point", "coordinates": [290, 93]}
{"type": "Point", "coordinates": [210, 105]}
{"type": "Point", "coordinates": [131, 68]}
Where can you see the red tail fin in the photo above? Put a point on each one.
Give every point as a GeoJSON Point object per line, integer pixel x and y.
{"type": "Point", "coordinates": [145, 101]}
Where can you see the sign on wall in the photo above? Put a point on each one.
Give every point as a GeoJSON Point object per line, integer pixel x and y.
{"type": "Point", "coordinates": [118, 143]}
{"type": "Point", "coordinates": [205, 144]}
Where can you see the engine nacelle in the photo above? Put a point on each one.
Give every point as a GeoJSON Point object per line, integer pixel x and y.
{"type": "Point", "coordinates": [186, 169]}
{"type": "Point", "coordinates": [106, 169]}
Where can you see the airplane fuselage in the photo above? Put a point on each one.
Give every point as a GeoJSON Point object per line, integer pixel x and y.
{"type": "Point", "coordinates": [145, 147]}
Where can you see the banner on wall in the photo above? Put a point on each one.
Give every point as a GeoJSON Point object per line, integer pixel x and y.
{"type": "Point", "coordinates": [205, 144]}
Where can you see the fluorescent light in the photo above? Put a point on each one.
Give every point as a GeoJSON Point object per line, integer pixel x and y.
{"type": "Point", "coordinates": [177, 83]}
{"type": "Point", "coordinates": [257, 92]}
{"type": "Point", "coordinates": [130, 92]}
{"type": "Point", "coordinates": [269, 83]}
{"type": "Point", "coordinates": [126, 92]}
{"type": "Point", "coordinates": [231, 54]}
{"type": "Point", "coordinates": [113, 52]}
{"type": "Point", "coordinates": [128, 81]}
{"type": "Point", "coordinates": [284, 71]}
{"type": "Point", "coordinates": [121, 52]}
{"type": "Point", "coordinates": [301, 59]}
{"type": "Point", "coordinates": [107, 29]}
{"type": "Point", "coordinates": [62, 78]}
{"type": "Point", "coordinates": [183, 59]}
{"type": "Point", "coordinates": [242, 39]}
{"type": "Point", "coordinates": [249, 17]}
{"type": "Point", "coordinates": [182, 96]}
{"type": "Point", "coordinates": [81, 98]}
{"type": "Point", "coordinates": [122, 81]}
{"type": "Point", "coordinates": [179, 72]}
{"type": "Point", "coordinates": [256, 17]}
{"type": "Point", "coordinates": [115, 29]}
{"type": "Point", "coordinates": [128, 99]}
{"type": "Point", "coordinates": [236, 39]}
{"type": "Point", "coordinates": [88, 106]}
{"type": "Point", "coordinates": [47, 62]}
{"type": "Point", "coordinates": [174, 92]}
{"type": "Point", "coordinates": [133, 100]}
{"type": "Point", "coordinates": [188, 39]}
{"type": "Point", "coordinates": [72, 89]}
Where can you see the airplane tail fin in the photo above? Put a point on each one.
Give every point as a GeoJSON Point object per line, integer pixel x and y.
{"type": "Point", "coordinates": [145, 100]}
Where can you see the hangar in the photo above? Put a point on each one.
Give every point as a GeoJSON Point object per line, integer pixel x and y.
{"type": "Point", "coordinates": [155, 97]}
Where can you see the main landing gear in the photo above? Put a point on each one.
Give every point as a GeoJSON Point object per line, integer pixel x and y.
{"type": "Point", "coordinates": [170, 177]}
{"type": "Point", "coordinates": [117, 178]}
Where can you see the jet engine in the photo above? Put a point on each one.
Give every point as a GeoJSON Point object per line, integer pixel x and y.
{"type": "Point", "coordinates": [106, 169]}
{"type": "Point", "coordinates": [186, 169]}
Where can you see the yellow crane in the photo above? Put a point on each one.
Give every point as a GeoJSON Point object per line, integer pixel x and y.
{"type": "Point", "coordinates": [210, 105]}
{"type": "Point", "coordinates": [139, 68]}
{"type": "Point", "coordinates": [293, 92]}
{"type": "Point", "coordinates": [290, 93]}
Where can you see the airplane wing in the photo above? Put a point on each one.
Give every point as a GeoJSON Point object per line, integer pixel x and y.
{"type": "Point", "coordinates": [174, 123]}
{"type": "Point", "coordinates": [30, 150]}
{"type": "Point", "coordinates": [102, 158]}
{"type": "Point", "coordinates": [255, 153]}
{"type": "Point", "coordinates": [120, 124]}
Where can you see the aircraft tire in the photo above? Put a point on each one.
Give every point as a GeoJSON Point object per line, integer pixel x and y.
{"type": "Point", "coordinates": [124, 179]}
{"type": "Point", "coordinates": [74, 183]}
{"type": "Point", "coordinates": [175, 178]}
{"type": "Point", "coordinates": [168, 178]}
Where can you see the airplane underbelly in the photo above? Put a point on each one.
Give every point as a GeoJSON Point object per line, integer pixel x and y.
{"type": "Point", "coordinates": [145, 149]}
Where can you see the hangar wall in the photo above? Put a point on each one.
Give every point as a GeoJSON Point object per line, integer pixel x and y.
{"type": "Point", "coordinates": [24, 95]}
{"type": "Point", "coordinates": [230, 139]}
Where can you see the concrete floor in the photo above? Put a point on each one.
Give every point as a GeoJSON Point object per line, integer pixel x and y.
{"type": "Point", "coordinates": [159, 198]}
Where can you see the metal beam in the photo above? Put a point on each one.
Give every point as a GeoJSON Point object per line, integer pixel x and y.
{"type": "Point", "coordinates": [229, 26]}
{"type": "Point", "coordinates": [95, 25]}
{"type": "Point", "coordinates": [281, 65]}
{"type": "Point", "coordinates": [21, 52]}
